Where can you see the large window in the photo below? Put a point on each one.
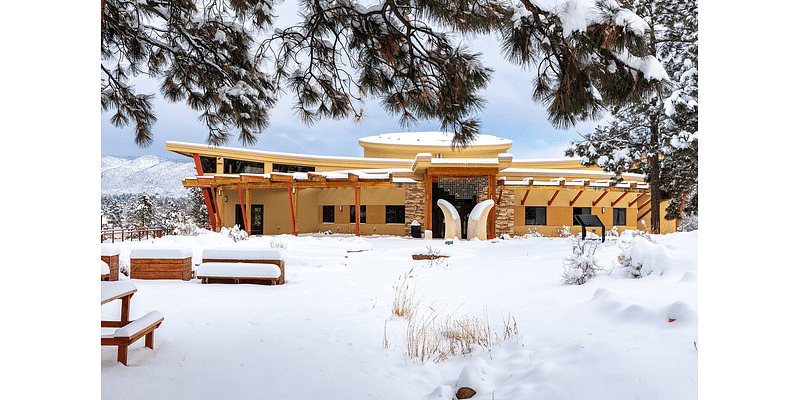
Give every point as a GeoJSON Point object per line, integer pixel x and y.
{"type": "Point", "coordinates": [580, 211]}
{"type": "Point", "coordinates": [395, 214]}
{"type": "Point", "coordinates": [620, 217]}
{"type": "Point", "coordinates": [363, 219]}
{"type": "Point", "coordinates": [291, 168]}
{"type": "Point", "coordinates": [535, 215]}
{"type": "Point", "coordinates": [233, 166]}
{"type": "Point", "coordinates": [327, 214]}
{"type": "Point", "coordinates": [208, 164]}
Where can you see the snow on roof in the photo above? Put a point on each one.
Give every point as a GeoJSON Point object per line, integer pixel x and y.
{"type": "Point", "coordinates": [464, 161]}
{"type": "Point", "coordinates": [439, 139]}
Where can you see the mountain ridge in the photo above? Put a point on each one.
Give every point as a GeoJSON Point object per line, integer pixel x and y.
{"type": "Point", "coordinates": [148, 174]}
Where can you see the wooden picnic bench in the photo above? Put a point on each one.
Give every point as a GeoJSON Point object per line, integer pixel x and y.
{"type": "Point", "coordinates": [242, 265]}
{"type": "Point", "coordinates": [127, 331]}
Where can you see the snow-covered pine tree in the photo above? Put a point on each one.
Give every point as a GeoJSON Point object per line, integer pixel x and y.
{"type": "Point", "coordinates": [143, 212]}
{"type": "Point", "coordinates": [657, 137]}
{"type": "Point", "coordinates": [585, 57]}
{"type": "Point", "coordinates": [197, 207]}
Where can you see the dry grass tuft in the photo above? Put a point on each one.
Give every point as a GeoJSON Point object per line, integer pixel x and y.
{"type": "Point", "coordinates": [404, 304]}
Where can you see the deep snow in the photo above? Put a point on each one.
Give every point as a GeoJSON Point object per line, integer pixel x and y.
{"type": "Point", "coordinates": [321, 334]}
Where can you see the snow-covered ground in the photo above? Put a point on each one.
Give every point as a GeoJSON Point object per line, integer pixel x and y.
{"type": "Point", "coordinates": [323, 334]}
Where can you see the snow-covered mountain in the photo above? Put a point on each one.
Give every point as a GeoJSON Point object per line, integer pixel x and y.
{"type": "Point", "coordinates": [146, 174]}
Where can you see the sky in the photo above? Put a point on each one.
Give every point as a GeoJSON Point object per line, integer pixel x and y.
{"type": "Point", "coordinates": [510, 113]}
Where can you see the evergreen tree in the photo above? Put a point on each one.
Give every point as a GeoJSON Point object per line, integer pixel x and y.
{"type": "Point", "coordinates": [197, 207]}
{"type": "Point", "coordinates": [143, 213]}
{"type": "Point", "coordinates": [657, 137]}
{"type": "Point", "coordinates": [585, 57]}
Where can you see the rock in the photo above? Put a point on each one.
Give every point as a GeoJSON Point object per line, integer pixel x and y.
{"type": "Point", "coordinates": [465, 393]}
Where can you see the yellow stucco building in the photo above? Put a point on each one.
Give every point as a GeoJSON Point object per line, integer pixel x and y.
{"type": "Point", "coordinates": [400, 179]}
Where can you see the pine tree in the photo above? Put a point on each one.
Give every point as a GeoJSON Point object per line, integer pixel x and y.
{"type": "Point", "coordinates": [585, 57]}
{"type": "Point", "coordinates": [143, 212]}
{"type": "Point", "coordinates": [657, 137]}
{"type": "Point", "coordinates": [197, 207]}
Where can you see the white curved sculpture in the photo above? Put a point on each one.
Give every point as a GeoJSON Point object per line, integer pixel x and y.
{"type": "Point", "coordinates": [452, 222]}
{"type": "Point", "coordinates": [476, 225]}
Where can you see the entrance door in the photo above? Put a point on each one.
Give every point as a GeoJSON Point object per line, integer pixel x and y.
{"type": "Point", "coordinates": [257, 219]}
{"type": "Point", "coordinates": [463, 206]}
{"type": "Point", "coordinates": [239, 218]}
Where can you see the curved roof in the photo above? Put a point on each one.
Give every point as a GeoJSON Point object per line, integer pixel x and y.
{"type": "Point", "coordinates": [430, 139]}
{"type": "Point", "coordinates": [408, 144]}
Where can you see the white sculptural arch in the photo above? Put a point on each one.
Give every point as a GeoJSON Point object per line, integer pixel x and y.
{"type": "Point", "coordinates": [476, 225]}
{"type": "Point", "coordinates": [452, 222]}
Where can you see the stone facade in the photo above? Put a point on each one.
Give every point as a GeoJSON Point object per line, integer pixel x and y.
{"type": "Point", "coordinates": [415, 207]}
{"type": "Point", "coordinates": [503, 210]}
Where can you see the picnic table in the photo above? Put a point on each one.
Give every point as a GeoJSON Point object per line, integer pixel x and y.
{"type": "Point", "coordinates": [110, 291]}
{"type": "Point", "coordinates": [127, 331]}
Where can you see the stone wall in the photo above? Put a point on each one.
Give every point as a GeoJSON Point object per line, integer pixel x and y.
{"type": "Point", "coordinates": [415, 200]}
{"type": "Point", "coordinates": [503, 211]}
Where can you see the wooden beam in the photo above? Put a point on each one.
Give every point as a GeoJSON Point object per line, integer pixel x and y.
{"type": "Point", "coordinates": [216, 204]}
{"type": "Point", "coordinates": [594, 203]}
{"type": "Point", "coordinates": [291, 207]}
{"type": "Point", "coordinates": [644, 215]}
{"type": "Point", "coordinates": [244, 209]}
{"type": "Point", "coordinates": [646, 203]}
{"type": "Point", "coordinates": [428, 199]}
{"type": "Point", "coordinates": [492, 184]}
{"type": "Point", "coordinates": [358, 204]}
{"type": "Point", "coordinates": [613, 203]}
{"type": "Point", "coordinates": [637, 199]}
{"type": "Point", "coordinates": [553, 197]}
{"type": "Point", "coordinates": [574, 199]}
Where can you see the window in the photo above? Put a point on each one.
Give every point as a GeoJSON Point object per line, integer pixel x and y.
{"type": "Point", "coordinates": [580, 211]}
{"type": "Point", "coordinates": [233, 166]}
{"type": "Point", "coordinates": [208, 164]}
{"type": "Point", "coordinates": [395, 214]}
{"type": "Point", "coordinates": [535, 215]}
{"type": "Point", "coordinates": [363, 219]}
{"type": "Point", "coordinates": [327, 214]}
{"type": "Point", "coordinates": [620, 217]}
{"type": "Point", "coordinates": [286, 168]}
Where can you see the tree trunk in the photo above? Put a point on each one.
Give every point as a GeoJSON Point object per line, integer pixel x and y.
{"type": "Point", "coordinates": [655, 179]}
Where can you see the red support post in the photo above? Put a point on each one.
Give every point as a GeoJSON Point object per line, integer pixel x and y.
{"type": "Point", "coordinates": [211, 215]}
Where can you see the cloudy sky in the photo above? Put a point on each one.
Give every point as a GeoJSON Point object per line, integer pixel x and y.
{"type": "Point", "coordinates": [510, 113]}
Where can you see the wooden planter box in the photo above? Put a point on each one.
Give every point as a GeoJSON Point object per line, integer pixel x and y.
{"type": "Point", "coordinates": [161, 263]}
{"type": "Point", "coordinates": [110, 255]}
{"type": "Point", "coordinates": [245, 255]}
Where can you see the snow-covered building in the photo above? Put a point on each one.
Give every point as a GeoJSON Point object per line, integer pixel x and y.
{"type": "Point", "coordinates": [399, 180]}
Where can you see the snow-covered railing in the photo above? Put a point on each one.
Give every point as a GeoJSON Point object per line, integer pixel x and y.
{"type": "Point", "coordinates": [130, 234]}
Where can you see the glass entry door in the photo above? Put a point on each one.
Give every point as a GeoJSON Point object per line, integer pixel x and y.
{"type": "Point", "coordinates": [257, 219]}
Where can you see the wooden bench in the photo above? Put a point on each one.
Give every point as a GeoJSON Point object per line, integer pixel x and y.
{"type": "Point", "coordinates": [242, 265]}
{"type": "Point", "coordinates": [133, 331]}
{"type": "Point", "coordinates": [161, 263]}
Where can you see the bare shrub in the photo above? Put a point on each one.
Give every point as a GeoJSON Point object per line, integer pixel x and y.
{"type": "Point", "coordinates": [565, 231]}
